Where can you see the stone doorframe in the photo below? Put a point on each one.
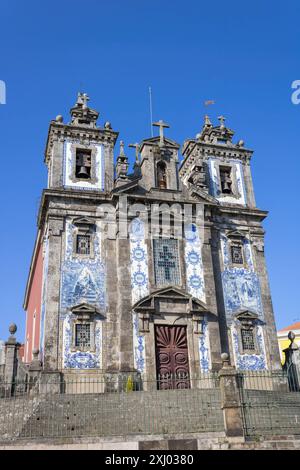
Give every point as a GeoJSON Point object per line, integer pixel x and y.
{"type": "Point", "coordinates": [170, 306]}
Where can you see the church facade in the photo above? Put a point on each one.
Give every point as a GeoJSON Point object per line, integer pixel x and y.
{"type": "Point", "coordinates": [154, 272]}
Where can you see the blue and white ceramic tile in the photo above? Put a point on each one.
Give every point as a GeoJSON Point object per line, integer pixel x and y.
{"type": "Point", "coordinates": [138, 261]}
{"type": "Point", "coordinates": [204, 349]}
{"type": "Point", "coordinates": [82, 281]}
{"type": "Point", "coordinates": [139, 284]}
{"type": "Point", "coordinates": [193, 263]}
{"type": "Point", "coordinates": [249, 361]}
{"type": "Point", "coordinates": [100, 170]}
{"type": "Point", "coordinates": [241, 286]}
{"type": "Point", "coordinates": [80, 359]}
{"type": "Point", "coordinates": [138, 346]}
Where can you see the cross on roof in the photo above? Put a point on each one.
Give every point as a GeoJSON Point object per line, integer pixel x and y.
{"type": "Point", "coordinates": [161, 124]}
{"type": "Point", "coordinates": [137, 149]}
{"type": "Point", "coordinates": [83, 98]}
{"type": "Point", "coordinates": [222, 120]}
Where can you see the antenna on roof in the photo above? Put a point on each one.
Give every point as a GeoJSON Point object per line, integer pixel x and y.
{"type": "Point", "coordinates": [150, 103]}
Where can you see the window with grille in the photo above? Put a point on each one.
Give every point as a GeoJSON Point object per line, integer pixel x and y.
{"type": "Point", "coordinates": [237, 254]}
{"type": "Point", "coordinates": [83, 335]}
{"type": "Point", "coordinates": [83, 244]}
{"type": "Point", "coordinates": [166, 261]}
{"type": "Point", "coordinates": [247, 340]}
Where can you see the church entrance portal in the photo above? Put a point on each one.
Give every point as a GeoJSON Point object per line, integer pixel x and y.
{"type": "Point", "coordinates": [172, 357]}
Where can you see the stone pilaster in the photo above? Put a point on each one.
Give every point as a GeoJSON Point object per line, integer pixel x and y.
{"type": "Point", "coordinates": [57, 162]}
{"type": "Point", "coordinates": [270, 332]}
{"type": "Point", "coordinates": [249, 185]}
{"type": "Point", "coordinates": [210, 292]}
{"type": "Point", "coordinates": [51, 342]}
{"type": "Point", "coordinates": [124, 313]}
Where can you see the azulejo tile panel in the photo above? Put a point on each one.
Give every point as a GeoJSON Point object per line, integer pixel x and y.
{"type": "Point", "coordinates": [241, 286]}
{"type": "Point", "coordinates": [82, 281]}
{"type": "Point", "coordinates": [204, 349]}
{"type": "Point", "coordinates": [249, 361]}
{"type": "Point", "coordinates": [193, 263]}
{"type": "Point", "coordinates": [139, 285]}
{"type": "Point", "coordinates": [80, 359]}
{"type": "Point", "coordinates": [196, 285]}
{"type": "Point", "coordinates": [241, 289]}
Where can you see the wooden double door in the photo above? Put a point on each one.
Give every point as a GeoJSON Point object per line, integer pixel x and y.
{"type": "Point", "coordinates": [172, 362]}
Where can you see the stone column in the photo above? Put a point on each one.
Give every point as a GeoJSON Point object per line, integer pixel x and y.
{"type": "Point", "coordinates": [11, 360]}
{"type": "Point", "coordinates": [230, 400]}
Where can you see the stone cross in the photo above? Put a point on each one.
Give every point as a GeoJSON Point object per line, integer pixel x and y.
{"type": "Point", "coordinates": [222, 120]}
{"type": "Point", "coordinates": [83, 98]}
{"type": "Point", "coordinates": [137, 150]}
{"type": "Point", "coordinates": [161, 124]}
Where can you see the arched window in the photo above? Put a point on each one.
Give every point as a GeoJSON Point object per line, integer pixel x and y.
{"type": "Point", "coordinates": [161, 175]}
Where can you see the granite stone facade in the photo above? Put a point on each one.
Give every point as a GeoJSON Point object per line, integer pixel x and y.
{"type": "Point", "coordinates": [101, 306]}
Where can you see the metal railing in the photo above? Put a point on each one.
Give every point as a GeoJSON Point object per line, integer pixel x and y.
{"type": "Point", "coordinates": [110, 406]}
{"type": "Point", "coordinates": [269, 403]}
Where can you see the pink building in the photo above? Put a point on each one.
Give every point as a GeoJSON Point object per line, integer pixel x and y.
{"type": "Point", "coordinates": [33, 301]}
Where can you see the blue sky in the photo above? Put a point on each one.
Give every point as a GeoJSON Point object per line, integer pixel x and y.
{"type": "Point", "coordinates": [244, 56]}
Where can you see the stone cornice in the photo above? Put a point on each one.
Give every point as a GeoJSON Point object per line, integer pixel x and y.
{"type": "Point", "coordinates": [58, 131]}
{"type": "Point", "coordinates": [206, 150]}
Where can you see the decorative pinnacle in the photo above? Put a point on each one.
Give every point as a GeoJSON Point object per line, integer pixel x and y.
{"type": "Point", "coordinates": [222, 121]}
{"type": "Point", "coordinates": [207, 122]}
{"type": "Point", "coordinates": [12, 328]}
{"type": "Point", "coordinates": [122, 153]}
{"type": "Point", "coordinates": [161, 124]}
{"type": "Point", "coordinates": [137, 150]}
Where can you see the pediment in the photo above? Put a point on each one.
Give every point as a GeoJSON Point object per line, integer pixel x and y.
{"type": "Point", "coordinates": [156, 140]}
{"type": "Point", "coordinates": [132, 186]}
{"type": "Point", "coordinates": [170, 296]}
{"type": "Point", "coordinates": [246, 314]}
{"type": "Point", "coordinates": [84, 307]}
{"type": "Point", "coordinates": [235, 234]}
{"type": "Point", "coordinates": [85, 310]}
{"type": "Point", "coordinates": [201, 195]}
{"type": "Point", "coordinates": [83, 221]}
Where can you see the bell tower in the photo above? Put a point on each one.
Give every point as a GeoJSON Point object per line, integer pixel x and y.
{"type": "Point", "coordinates": [79, 154]}
{"type": "Point", "coordinates": [159, 161]}
{"type": "Point", "coordinates": [213, 162]}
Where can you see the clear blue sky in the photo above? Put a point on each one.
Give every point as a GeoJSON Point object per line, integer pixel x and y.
{"type": "Point", "coordinates": [244, 55]}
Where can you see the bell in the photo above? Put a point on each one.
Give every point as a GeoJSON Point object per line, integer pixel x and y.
{"type": "Point", "coordinates": [226, 186]}
{"type": "Point", "coordinates": [83, 173]}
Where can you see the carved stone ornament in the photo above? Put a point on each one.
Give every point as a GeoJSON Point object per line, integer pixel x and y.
{"type": "Point", "coordinates": [198, 177]}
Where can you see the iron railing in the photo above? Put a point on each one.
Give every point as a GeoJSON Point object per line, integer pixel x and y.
{"type": "Point", "coordinates": [269, 403]}
{"type": "Point", "coordinates": [110, 406]}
